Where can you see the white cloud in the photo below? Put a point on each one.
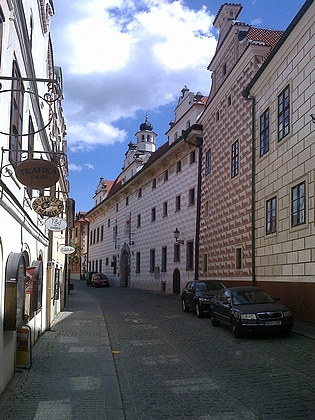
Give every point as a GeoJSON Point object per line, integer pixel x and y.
{"type": "Point", "coordinates": [75, 168]}
{"type": "Point", "coordinates": [122, 56]}
{"type": "Point", "coordinates": [93, 134]}
{"type": "Point", "coordinates": [89, 166]}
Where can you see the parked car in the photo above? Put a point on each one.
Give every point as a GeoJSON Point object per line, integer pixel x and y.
{"type": "Point", "coordinates": [88, 277]}
{"type": "Point", "coordinates": [99, 280]}
{"type": "Point", "coordinates": [250, 309]}
{"type": "Point", "coordinates": [197, 295]}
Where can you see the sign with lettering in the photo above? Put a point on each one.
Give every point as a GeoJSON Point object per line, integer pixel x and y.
{"type": "Point", "coordinates": [67, 249]}
{"type": "Point", "coordinates": [56, 224]}
{"type": "Point", "coordinates": [47, 206]}
{"type": "Point", "coordinates": [37, 173]}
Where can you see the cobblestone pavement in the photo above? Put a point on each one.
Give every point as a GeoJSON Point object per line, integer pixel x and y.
{"type": "Point", "coordinates": [122, 354]}
{"type": "Point", "coordinates": [172, 365]}
{"type": "Point", "coordinates": [73, 373]}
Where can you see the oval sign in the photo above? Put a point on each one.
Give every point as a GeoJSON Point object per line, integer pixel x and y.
{"type": "Point", "coordinates": [37, 173]}
{"type": "Point", "coordinates": [47, 206]}
{"type": "Point", "coordinates": [67, 249]}
{"type": "Point", "coordinates": [56, 224]}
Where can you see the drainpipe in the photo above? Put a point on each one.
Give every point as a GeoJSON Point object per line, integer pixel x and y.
{"type": "Point", "coordinates": [245, 94]}
{"type": "Point", "coordinates": [198, 144]}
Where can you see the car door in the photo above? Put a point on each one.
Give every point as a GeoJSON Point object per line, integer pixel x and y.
{"type": "Point", "coordinates": [223, 306]}
{"type": "Point", "coordinates": [191, 294]}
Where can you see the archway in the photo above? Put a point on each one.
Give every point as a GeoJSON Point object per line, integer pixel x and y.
{"type": "Point", "coordinates": [176, 281]}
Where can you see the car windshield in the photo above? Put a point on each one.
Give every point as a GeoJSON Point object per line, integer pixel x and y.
{"type": "Point", "coordinates": [247, 297]}
{"type": "Point", "coordinates": [208, 286]}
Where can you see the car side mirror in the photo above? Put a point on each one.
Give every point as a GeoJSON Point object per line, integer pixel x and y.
{"type": "Point", "coordinates": [276, 299]}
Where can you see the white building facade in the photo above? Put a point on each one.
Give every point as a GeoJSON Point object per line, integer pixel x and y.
{"type": "Point", "coordinates": [31, 130]}
{"type": "Point", "coordinates": [132, 231]}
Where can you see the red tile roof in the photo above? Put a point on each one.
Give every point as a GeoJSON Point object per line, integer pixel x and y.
{"type": "Point", "coordinates": [267, 36]}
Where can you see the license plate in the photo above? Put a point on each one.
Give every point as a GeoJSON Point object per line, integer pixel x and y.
{"type": "Point", "coordinates": [273, 323]}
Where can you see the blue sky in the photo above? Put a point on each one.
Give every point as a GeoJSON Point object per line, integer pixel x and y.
{"type": "Point", "coordinates": [123, 59]}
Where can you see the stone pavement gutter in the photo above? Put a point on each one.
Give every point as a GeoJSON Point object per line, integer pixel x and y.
{"type": "Point", "coordinates": [73, 374]}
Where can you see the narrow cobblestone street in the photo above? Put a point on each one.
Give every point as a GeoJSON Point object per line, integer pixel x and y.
{"type": "Point", "coordinates": [117, 353]}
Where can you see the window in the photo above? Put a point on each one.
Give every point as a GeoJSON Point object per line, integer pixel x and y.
{"type": "Point", "coordinates": [116, 207]}
{"type": "Point", "coordinates": [205, 263]}
{"type": "Point", "coordinates": [140, 192]}
{"type": "Point", "coordinates": [208, 162]}
{"type": "Point", "coordinates": [234, 159]}
{"type": "Point", "coordinates": [264, 132]}
{"type": "Point", "coordinates": [298, 205]}
{"type": "Point", "coordinates": [153, 214]}
{"type": "Point", "coordinates": [229, 100]}
{"type": "Point", "coordinates": [16, 122]}
{"type": "Point", "coordinates": [165, 175]}
{"type": "Point", "coordinates": [191, 196]}
{"type": "Point", "coordinates": [94, 236]}
{"type": "Point", "coordinates": [284, 113]}
{"type": "Point", "coordinates": [178, 166]}
{"type": "Point", "coordinates": [102, 233]}
{"type": "Point", "coordinates": [238, 258]}
{"type": "Point", "coordinates": [176, 252]}
{"type": "Point", "coordinates": [127, 200]}
{"type": "Point", "coordinates": [100, 266]}
{"type": "Point", "coordinates": [187, 124]}
{"type": "Point", "coordinates": [224, 69]}
{"type": "Point", "coordinates": [271, 215]}
{"type": "Point", "coordinates": [98, 235]}
{"type": "Point", "coordinates": [164, 259]}
{"type": "Point", "coordinates": [217, 116]}
{"type": "Point", "coordinates": [31, 131]}
{"type": "Point", "coordinates": [190, 255]}
{"type": "Point", "coordinates": [138, 262]}
{"type": "Point", "coordinates": [108, 223]}
{"type": "Point", "coordinates": [138, 220]}
{"type": "Point", "coordinates": [91, 238]}
{"type": "Point", "coordinates": [152, 260]}
{"type": "Point", "coordinates": [153, 183]}
{"type": "Point", "coordinates": [192, 158]}
{"type": "Point", "coordinates": [2, 19]}
{"type": "Point", "coordinates": [177, 203]}
{"type": "Point", "coordinates": [165, 209]}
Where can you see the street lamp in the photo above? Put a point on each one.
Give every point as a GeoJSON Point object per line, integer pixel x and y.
{"type": "Point", "coordinates": [176, 236]}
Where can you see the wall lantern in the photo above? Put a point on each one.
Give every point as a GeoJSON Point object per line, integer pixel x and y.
{"type": "Point", "coordinates": [176, 236]}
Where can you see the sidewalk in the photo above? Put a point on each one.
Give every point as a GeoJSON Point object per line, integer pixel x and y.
{"type": "Point", "coordinates": [73, 373]}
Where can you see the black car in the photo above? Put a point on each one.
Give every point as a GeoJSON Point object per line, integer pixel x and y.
{"type": "Point", "coordinates": [250, 309]}
{"type": "Point", "coordinates": [197, 295]}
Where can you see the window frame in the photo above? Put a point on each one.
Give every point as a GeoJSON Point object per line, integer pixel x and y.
{"type": "Point", "coordinates": [264, 133]}
{"type": "Point", "coordinates": [271, 215]}
{"type": "Point", "coordinates": [235, 159]}
{"type": "Point", "coordinates": [208, 162]}
{"type": "Point", "coordinates": [284, 113]}
{"type": "Point", "coordinates": [300, 201]}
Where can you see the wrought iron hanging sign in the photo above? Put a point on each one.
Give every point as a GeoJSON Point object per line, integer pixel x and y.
{"type": "Point", "coordinates": [47, 206]}
{"type": "Point", "coordinates": [37, 173]}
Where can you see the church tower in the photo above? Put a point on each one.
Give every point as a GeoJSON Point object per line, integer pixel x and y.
{"type": "Point", "coordinates": [146, 138]}
{"type": "Point", "coordinates": [138, 154]}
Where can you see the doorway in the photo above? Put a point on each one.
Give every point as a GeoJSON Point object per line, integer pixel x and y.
{"type": "Point", "coordinates": [176, 281]}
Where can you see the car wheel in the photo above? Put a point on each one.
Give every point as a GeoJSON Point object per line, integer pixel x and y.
{"type": "Point", "coordinates": [214, 320]}
{"type": "Point", "coordinates": [236, 330]}
{"type": "Point", "coordinates": [199, 312]}
{"type": "Point", "coordinates": [184, 306]}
